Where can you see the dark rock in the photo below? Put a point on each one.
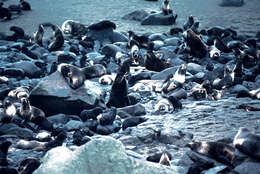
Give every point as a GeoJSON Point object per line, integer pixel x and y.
{"type": "Point", "coordinates": [133, 121]}
{"type": "Point", "coordinates": [159, 19]}
{"type": "Point", "coordinates": [235, 3]}
{"type": "Point", "coordinates": [137, 15]}
{"type": "Point", "coordinates": [54, 95]}
{"type": "Point", "coordinates": [248, 168]}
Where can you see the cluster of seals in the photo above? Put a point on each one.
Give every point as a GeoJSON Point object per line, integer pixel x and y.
{"type": "Point", "coordinates": [4, 12]}
{"type": "Point", "coordinates": [73, 27]}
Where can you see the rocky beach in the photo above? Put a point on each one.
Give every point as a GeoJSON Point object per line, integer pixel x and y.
{"type": "Point", "coordinates": [123, 87]}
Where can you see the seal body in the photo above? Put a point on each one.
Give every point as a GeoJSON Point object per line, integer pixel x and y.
{"type": "Point", "coordinates": [58, 39]}
{"type": "Point", "coordinates": [247, 142]}
{"type": "Point", "coordinates": [166, 9]}
{"type": "Point", "coordinates": [216, 150]}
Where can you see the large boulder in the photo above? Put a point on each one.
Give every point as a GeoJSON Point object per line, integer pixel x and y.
{"type": "Point", "coordinates": [137, 15]}
{"type": "Point", "coordinates": [101, 155]}
{"type": "Point", "coordinates": [159, 19]}
{"type": "Point", "coordinates": [54, 95]}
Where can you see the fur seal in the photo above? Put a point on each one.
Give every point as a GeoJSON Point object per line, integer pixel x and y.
{"type": "Point", "coordinates": [247, 142]}
{"type": "Point", "coordinates": [102, 25]}
{"type": "Point", "coordinates": [4, 12]}
{"type": "Point", "coordinates": [197, 47]}
{"type": "Point", "coordinates": [15, 8]}
{"type": "Point", "coordinates": [28, 165]}
{"type": "Point", "coordinates": [54, 67]}
{"type": "Point", "coordinates": [152, 62]}
{"type": "Point", "coordinates": [61, 137]}
{"type": "Point", "coordinates": [106, 80]}
{"type": "Point", "coordinates": [38, 35]}
{"type": "Point", "coordinates": [132, 122]}
{"type": "Point", "coordinates": [73, 27]}
{"type": "Point", "coordinates": [34, 115]}
{"type": "Point", "coordinates": [4, 146]}
{"type": "Point", "coordinates": [219, 151]}
{"type": "Point", "coordinates": [174, 81]}
{"type": "Point", "coordinates": [25, 5]}
{"type": "Point", "coordinates": [166, 9]}
{"type": "Point", "coordinates": [18, 34]}
{"type": "Point", "coordinates": [119, 90]}
{"type": "Point", "coordinates": [141, 40]}
{"type": "Point", "coordinates": [175, 102]}
{"type": "Point", "coordinates": [74, 74]}
{"type": "Point", "coordinates": [90, 114]}
{"type": "Point", "coordinates": [108, 118]}
{"type": "Point", "coordinates": [189, 23]}
{"type": "Point", "coordinates": [58, 39]}
{"type": "Point", "coordinates": [19, 92]}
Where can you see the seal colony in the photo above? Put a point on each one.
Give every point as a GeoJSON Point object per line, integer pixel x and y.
{"type": "Point", "coordinates": [134, 75]}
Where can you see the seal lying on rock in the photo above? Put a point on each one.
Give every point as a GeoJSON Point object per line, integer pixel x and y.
{"type": "Point", "coordinates": [219, 151]}
{"type": "Point", "coordinates": [73, 27]}
{"type": "Point", "coordinates": [247, 142]}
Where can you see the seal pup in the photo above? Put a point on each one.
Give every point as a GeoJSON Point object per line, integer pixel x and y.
{"type": "Point", "coordinates": [25, 5]}
{"type": "Point", "coordinates": [247, 143]}
{"type": "Point", "coordinates": [176, 104]}
{"type": "Point", "coordinates": [4, 146]}
{"type": "Point", "coordinates": [90, 114]}
{"type": "Point", "coordinates": [106, 79]}
{"type": "Point", "coordinates": [219, 151]}
{"type": "Point", "coordinates": [189, 23]}
{"type": "Point", "coordinates": [119, 90]}
{"type": "Point", "coordinates": [174, 81]}
{"type": "Point", "coordinates": [165, 7]}
{"type": "Point", "coordinates": [4, 12]}
{"type": "Point", "coordinates": [108, 118]}
{"type": "Point", "coordinates": [18, 34]}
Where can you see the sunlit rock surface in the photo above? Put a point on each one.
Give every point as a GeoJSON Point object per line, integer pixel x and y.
{"type": "Point", "coordinates": [101, 155]}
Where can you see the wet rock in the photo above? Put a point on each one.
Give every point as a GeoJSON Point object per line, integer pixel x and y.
{"type": "Point", "coordinates": [165, 73]}
{"type": "Point", "coordinates": [248, 168]}
{"type": "Point", "coordinates": [100, 155]}
{"type": "Point", "coordinates": [30, 68]}
{"type": "Point", "coordinates": [73, 125]}
{"type": "Point", "coordinates": [132, 122]}
{"type": "Point", "coordinates": [66, 57]}
{"type": "Point", "coordinates": [62, 118]}
{"type": "Point", "coordinates": [54, 95]}
{"type": "Point", "coordinates": [159, 19]}
{"type": "Point", "coordinates": [118, 37]}
{"type": "Point", "coordinates": [157, 37]}
{"type": "Point", "coordinates": [171, 136]}
{"type": "Point", "coordinates": [179, 93]}
{"type": "Point", "coordinates": [174, 41]}
{"type": "Point", "coordinates": [215, 170]}
{"type": "Point", "coordinates": [134, 110]}
{"type": "Point", "coordinates": [235, 3]}
{"type": "Point", "coordinates": [239, 88]}
{"type": "Point", "coordinates": [13, 129]}
{"type": "Point", "coordinates": [194, 68]}
{"type": "Point", "coordinates": [137, 15]}
{"type": "Point", "coordinates": [110, 50]}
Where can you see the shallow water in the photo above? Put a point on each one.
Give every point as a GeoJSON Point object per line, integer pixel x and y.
{"type": "Point", "coordinates": [246, 19]}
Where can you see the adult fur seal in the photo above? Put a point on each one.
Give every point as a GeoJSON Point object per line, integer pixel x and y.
{"type": "Point", "coordinates": [34, 115]}
{"type": "Point", "coordinates": [28, 166]}
{"type": "Point", "coordinates": [18, 34]}
{"type": "Point", "coordinates": [90, 114]}
{"type": "Point", "coordinates": [58, 39]}
{"type": "Point", "coordinates": [38, 35]}
{"type": "Point", "coordinates": [189, 23]}
{"type": "Point", "coordinates": [196, 44]}
{"type": "Point", "coordinates": [175, 103]}
{"type": "Point", "coordinates": [152, 62]}
{"type": "Point", "coordinates": [219, 151]}
{"type": "Point", "coordinates": [119, 90]}
{"type": "Point", "coordinates": [166, 9]}
{"type": "Point", "coordinates": [247, 142]}
{"type": "Point", "coordinates": [132, 122]}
